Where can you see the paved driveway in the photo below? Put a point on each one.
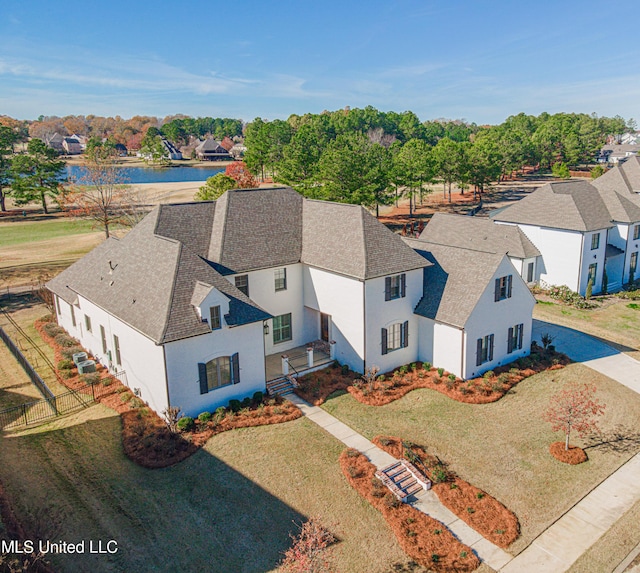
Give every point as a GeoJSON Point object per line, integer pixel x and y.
{"type": "Point", "coordinates": [592, 353]}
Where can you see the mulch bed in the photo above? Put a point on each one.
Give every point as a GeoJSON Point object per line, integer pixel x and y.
{"type": "Point", "coordinates": [574, 455]}
{"type": "Point", "coordinates": [475, 507]}
{"type": "Point", "coordinates": [318, 386]}
{"type": "Point", "coordinates": [146, 438]}
{"type": "Point", "coordinates": [424, 539]}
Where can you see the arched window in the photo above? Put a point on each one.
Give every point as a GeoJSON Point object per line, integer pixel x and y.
{"type": "Point", "coordinates": [219, 372]}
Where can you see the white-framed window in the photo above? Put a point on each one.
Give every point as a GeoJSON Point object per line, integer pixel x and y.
{"type": "Point", "coordinates": [282, 328]}
{"type": "Point", "coordinates": [242, 283]}
{"type": "Point", "coordinates": [593, 269]}
{"type": "Point", "coordinates": [394, 337]}
{"type": "Point", "coordinates": [103, 337]}
{"type": "Point", "coordinates": [280, 278]}
{"type": "Point", "coordinates": [395, 286]}
{"type": "Point", "coordinates": [484, 350]}
{"type": "Point", "coordinates": [218, 372]}
{"type": "Point", "coordinates": [530, 272]}
{"type": "Point", "coordinates": [215, 321]}
{"type": "Point", "coordinates": [503, 288]}
{"type": "Point", "coordinates": [636, 232]}
{"type": "Point", "coordinates": [87, 322]}
{"type": "Point", "coordinates": [514, 340]}
{"type": "Point", "coordinates": [595, 241]}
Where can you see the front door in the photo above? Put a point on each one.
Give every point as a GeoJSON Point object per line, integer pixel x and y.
{"type": "Point", "coordinates": [324, 326]}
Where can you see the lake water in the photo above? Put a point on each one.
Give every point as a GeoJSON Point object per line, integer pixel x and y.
{"type": "Point", "coordinates": [151, 175]}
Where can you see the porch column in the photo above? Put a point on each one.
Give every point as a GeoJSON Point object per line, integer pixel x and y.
{"type": "Point", "coordinates": [310, 356]}
{"type": "Point", "coordinates": [332, 349]}
{"type": "Point", "coordinates": [285, 364]}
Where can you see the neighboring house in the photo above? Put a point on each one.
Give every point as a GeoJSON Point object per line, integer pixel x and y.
{"type": "Point", "coordinates": [172, 152]}
{"type": "Point", "coordinates": [71, 146]}
{"type": "Point", "coordinates": [121, 149]}
{"type": "Point", "coordinates": [238, 151]}
{"type": "Point", "coordinates": [55, 142]}
{"type": "Point", "coordinates": [211, 150]}
{"type": "Point", "coordinates": [475, 312]}
{"type": "Point", "coordinates": [200, 300]}
{"type": "Point", "coordinates": [584, 231]}
{"type": "Point", "coordinates": [482, 234]}
{"type": "Point", "coordinates": [615, 153]}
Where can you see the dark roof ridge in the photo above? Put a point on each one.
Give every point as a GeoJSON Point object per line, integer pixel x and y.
{"type": "Point", "coordinates": [173, 291]}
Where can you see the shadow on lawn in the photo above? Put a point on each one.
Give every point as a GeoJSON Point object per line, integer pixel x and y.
{"type": "Point", "coordinates": [621, 438]}
{"type": "Point", "coordinates": [200, 515]}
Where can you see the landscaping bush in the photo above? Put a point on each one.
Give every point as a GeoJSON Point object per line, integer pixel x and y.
{"type": "Point", "coordinates": [65, 364]}
{"type": "Point", "coordinates": [246, 403]}
{"type": "Point", "coordinates": [629, 294]}
{"type": "Point", "coordinates": [235, 406]}
{"type": "Point", "coordinates": [90, 378]}
{"type": "Point", "coordinates": [345, 370]}
{"type": "Point", "coordinates": [186, 424]}
{"type": "Point", "coordinates": [205, 417]}
{"type": "Point", "coordinates": [566, 295]}
{"type": "Point", "coordinates": [71, 350]}
{"type": "Point", "coordinates": [426, 366]}
{"type": "Point", "coordinates": [52, 329]}
{"type": "Point", "coordinates": [257, 398]}
{"type": "Point", "coordinates": [440, 372]}
{"type": "Point", "coordinates": [65, 341]}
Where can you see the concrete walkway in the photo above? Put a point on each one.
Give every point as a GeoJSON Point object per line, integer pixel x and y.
{"type": "Point", "coordinates": [427, 501]}
{"type": "Point", "coordinates": [592, 353]}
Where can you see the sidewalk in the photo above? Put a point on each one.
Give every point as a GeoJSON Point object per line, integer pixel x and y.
{"type": "Point", "coordinates": [427, 501]}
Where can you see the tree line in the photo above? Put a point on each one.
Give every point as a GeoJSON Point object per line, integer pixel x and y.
{"type": "Point", "coordinates": [369, 157]}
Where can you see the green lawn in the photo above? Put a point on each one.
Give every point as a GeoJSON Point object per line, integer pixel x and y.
{"type": "Point", "coordinates": [32, 231]}
{"type": "Point", "coordinates": [503, 447]}
{"type": "Point", "coordinates": [616, 323]}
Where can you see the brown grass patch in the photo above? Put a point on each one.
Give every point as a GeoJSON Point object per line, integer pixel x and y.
{"type": "Point", "coordinates": [424, 539]}
{"type": "Point", "coordinates": [475, 507]}
{"type": "Point", "coordinates": [489, 388]}
{"type": "Point", "coordinates": [573, 456]}
{"type": "Point", "coordinates": [146, 439]}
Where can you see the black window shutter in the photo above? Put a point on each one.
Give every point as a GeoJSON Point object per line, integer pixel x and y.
{"type": "Point", "coordinates": [235, 369]}
{"type": "Point", "coordinates": [479, 352]}
{"type": "Point", "coordinates": [509, 281]}
{"type": "Point", "coordinates": [510, 341]}
{"type": "Point", "coordinates": [387, 288]}
{"type": "Point", "coordinates": [497, 292]}
{"type": "Point", "coordinates": [490, 353]}
{"type": "Point", "coordinates": [202, 374]}
{"type": "Point", "coordinates": [403, 285]}
{"type": "Point", "coordinates": [384, 341]}
{"type": "Point", "coordinates": [520, 329]}
{"type": "Point", "coordinates": [405, 334]}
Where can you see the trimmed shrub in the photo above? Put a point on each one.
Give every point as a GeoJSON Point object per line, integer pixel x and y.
{"type": "Point", "coordinates": [205, 417]}
{"type": "Point", "coordinates": [345, 370]}
{"type": "Point", "coordinates": [65, 364]}
{"type": "Point", "coordinates": [440, 372]}
{"type": "Point", "coordinates": [186, 424]}
{"type": "Point", "coordinates": [52, 329]}
{"type": "Point", "coordinates": [70, 351]}
{"type": "Point", "coordinates": [90, 378]}
{"type": "Point", "coordinates": [426, 365]}
{"type": "Point", "coordinates": [246, 403]}
{"type": "Point", "coordinates": [235, 406]}
{"type": "Point", "coordinates": [257, 398]}
{"type": "Point", "coordinates": [65, 340]}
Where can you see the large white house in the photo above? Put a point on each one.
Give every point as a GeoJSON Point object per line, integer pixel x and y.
{"type": "Point", "coordinates": [200, 301]}
{"type": "Point", "coordinates": [584, 231]}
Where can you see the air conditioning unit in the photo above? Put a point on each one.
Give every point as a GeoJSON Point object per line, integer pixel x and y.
{"type": "Point", "coordinates": [80, 357]}
{"type": "Point", "coordinates": [87, 366]}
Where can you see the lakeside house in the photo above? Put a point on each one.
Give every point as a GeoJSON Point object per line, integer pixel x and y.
{"type": "Point", "coordinates": [205, 302]}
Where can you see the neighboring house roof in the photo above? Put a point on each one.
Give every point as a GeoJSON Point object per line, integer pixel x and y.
{"type": "Point", "coordinates": [148, 280]}
{"type": "Point", "coordinates": [211, 146]}
{"type": "Point", "coordinates": [570, 205]}
{"type": "Point", "coordinates": [348, 240]}
{"type": "Point", "coordinates": [623, 178]}
{"type": "Point", "coordinates": [454, 282]}
{"type": "Point", "coordinates": [480, 234]}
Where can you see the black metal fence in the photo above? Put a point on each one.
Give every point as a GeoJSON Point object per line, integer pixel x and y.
{"type": "Point", "coordinates": [26, 366]}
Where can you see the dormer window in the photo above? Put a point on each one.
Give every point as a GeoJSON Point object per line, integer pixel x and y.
{"type": "Point", "coordinates": [503, 288]}
{"type": "Point", "coordinates": [214, 317]}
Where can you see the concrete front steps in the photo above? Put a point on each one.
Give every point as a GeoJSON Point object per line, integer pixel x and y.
{"type": "Point", "coordinates": [403, 479]}
{"type": "Point", "coordinates": [281, 386]}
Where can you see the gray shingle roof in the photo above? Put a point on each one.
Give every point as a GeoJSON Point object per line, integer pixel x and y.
{"type": "Point", "coordinates": [619, 188]}
{"type": "Point", "coordinates": [256, 228]}
{"type": "Point", "coordinates": [346, 239]}
{"type": "Point", "coordinates": [571, 205]}
{"type": "Point", "coordinates": [480, 234]}
{"type": "Point", "coordinates": [455, 281]}
{"type": "Point", "coordinates": [188, 223]}
{"type": "Point", "coordinates": [148, 281]}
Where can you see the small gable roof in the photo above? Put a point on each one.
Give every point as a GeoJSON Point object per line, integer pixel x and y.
{"type": "Point", "coordinates": [570, 205]}
{"type": "Point", "coordinates": [480, 234]}
{"type": "Point", "coordinates": [455, 280]}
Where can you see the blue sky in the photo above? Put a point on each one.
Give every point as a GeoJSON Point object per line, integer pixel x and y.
{"type": "Point", "coordinates": [477, 60]}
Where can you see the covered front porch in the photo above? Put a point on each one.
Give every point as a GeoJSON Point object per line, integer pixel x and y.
{"type": "Point", "coordinates": [300, 359]}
